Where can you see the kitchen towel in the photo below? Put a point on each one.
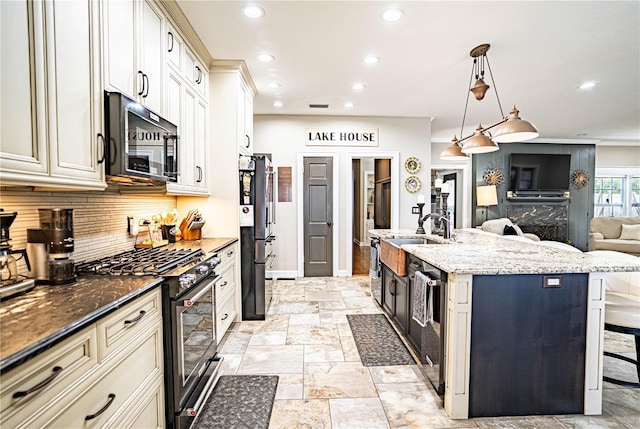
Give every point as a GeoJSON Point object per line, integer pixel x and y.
{"type": "Point", "coordinates": [420, 306]}
{"type": "Point", "coordinates": [239, 402]}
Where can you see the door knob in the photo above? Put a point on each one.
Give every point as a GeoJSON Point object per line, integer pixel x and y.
{"type": "Point", "coordinates": [329, 223]}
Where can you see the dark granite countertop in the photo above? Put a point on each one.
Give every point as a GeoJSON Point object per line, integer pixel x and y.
{"type": "Point", "coordinates": [35, 321]}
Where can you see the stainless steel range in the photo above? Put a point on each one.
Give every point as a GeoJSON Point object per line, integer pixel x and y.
{"type": "Point", "coordinates": [188, 301]}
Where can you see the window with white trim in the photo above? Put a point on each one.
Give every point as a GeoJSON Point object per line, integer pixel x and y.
{"type": "Point", "coordinates": [617, 194]}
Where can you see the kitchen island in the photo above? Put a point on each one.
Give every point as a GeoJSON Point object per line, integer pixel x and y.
{"type": "Point", "coordinates": [523, 323]}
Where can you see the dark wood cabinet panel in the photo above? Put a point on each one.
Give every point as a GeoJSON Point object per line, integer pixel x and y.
{"type": "Point", "coordinates": [527, 345]}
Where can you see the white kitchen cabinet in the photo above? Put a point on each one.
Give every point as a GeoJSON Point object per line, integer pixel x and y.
{"type": "Point", "coordinates": [187, 109]}
{"type": "Point", "coordinates": [111, 371]}
{"type": "Point", "coordinates": [245, 120]}
{"type": "Point", "coordinates": [51, 124]}
{"type": "Point", "coordinates": [175, 49]}
{"type": "Point", "coordinates": [195, 73]}
{"type": "Point", "coordinates": [227, 290]}
{"type": "Point", "coordinates": [134, 40]}
{"type": "Point", "coordinates": [226, 79]}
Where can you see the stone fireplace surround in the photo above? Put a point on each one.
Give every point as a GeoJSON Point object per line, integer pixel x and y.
{"type": "Point", "coordinates": [547, 221]}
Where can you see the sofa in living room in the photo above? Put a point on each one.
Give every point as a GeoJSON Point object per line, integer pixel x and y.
{"type": "Point", "coordinates": [620, 234]}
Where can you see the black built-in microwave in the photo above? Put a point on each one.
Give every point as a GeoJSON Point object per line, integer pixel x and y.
{"type": "Point", "coordinates": [139, 143]}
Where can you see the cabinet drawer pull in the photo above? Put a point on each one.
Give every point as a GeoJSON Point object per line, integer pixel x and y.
{"type": "Point", "coordinates": [199, 179]}
{"type": "Point", "coordinates": [135, 319]}
{"type": "Point", "coordinates": [171, 46]}
{"type": "Point", "coordinates": [230, 252]}
{"type": "Point", "coordinates": [226, 316]}
{"type": "Point", "coordinates": [57, 370]}
{"type": "Point", "coordinates": [415, 264]}
{"type": "Point", "coordinates": [223, 284]}
{"type": "Point", "coordinates": [142, 83]}
{"type": "Point", "coordinates": [248, 141]}
{"type": "Point", "coordinates": [111, 397]}
{"type": "Point", "coordinates": [104, 148]}
{"type": "Point", "coordinates": [145, 78]}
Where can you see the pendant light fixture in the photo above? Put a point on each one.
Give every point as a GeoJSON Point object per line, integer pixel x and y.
{"type": "Point", "coordinates": [508, 129]}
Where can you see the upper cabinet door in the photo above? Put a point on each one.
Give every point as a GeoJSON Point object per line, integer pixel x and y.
{"type": "Point", "coordinates": [75, 92]}
{"type": "Point", "coordinates": [120, 46]}
{"type": "Point", "coordinates": [133, 50]}
{"type": "Point", "coordinates": [151, 57]}
{"type": "Point", "coordinates": [22, 88]}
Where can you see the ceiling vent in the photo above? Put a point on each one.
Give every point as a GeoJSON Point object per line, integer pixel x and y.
{"type": "Point", "coordinates": [318, 106]}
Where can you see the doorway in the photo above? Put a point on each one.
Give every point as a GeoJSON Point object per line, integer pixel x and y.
{"type": "Point", "coordinates": [363, 179]}
{"type": "Point", "coordinates": [318, 221]}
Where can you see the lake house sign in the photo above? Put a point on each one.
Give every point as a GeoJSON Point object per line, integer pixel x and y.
{"type": "Point", "coordinates": [346, 137]}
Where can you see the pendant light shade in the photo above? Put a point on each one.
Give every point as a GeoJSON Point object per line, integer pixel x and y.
{"type": "Point", "coordinates": [453, 152]}
{"type": "Point", "coordinates": [479, 143]}
{"type": "Point", "coordinates": [514, 129]}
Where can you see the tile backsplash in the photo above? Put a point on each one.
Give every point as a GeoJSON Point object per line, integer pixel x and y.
{"type": "Point", "coordinates": [99, 218]}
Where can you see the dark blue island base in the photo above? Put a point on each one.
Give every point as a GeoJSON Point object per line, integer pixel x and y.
{"type": "Point", "coordinates": [528, 342]}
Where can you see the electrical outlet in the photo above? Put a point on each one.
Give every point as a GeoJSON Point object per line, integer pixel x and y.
{"type": "Point", "coordinates": [132, 226]}
{"type": "Point", "coordinates": [551, 281]}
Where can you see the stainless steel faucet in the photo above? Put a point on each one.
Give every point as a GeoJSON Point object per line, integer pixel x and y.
{"type": "Point", "coordinates": [445, 218]}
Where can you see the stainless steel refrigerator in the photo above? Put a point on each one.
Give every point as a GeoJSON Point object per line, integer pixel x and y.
{"type": "Point", "coordinates": [257, 217]}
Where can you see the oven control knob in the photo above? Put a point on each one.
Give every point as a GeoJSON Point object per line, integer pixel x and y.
{"type": "Point", "coordinates": [215, 260]}
{"type": "Point", "coordinates": [202, 269]}
{"type": "Point", "coordinates": [187, 279]}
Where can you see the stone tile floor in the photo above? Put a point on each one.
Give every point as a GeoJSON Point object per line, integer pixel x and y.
{"type": "Point", "coordinates": [306, 340]}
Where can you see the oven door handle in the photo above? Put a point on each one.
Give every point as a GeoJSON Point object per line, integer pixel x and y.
{"type": "Point", "coordinates": [191, 301]}
{"type": "Point", "coordinates": [195, 410]}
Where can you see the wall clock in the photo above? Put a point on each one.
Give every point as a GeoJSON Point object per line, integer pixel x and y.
{"type": "Point", "coordinates": [413, 184]}
{"type": "Point", "coordinates": [412, 165]}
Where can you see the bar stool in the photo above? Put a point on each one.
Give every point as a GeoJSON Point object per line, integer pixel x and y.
{"type": "Point", "coordinates": [622, 308]}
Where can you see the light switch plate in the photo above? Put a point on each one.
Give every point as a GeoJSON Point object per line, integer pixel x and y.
{"type": "Point", "coordinates": [415, 210]}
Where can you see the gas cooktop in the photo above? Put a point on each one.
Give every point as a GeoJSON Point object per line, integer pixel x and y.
{"type": "Point", "coordinates": [139, 262]}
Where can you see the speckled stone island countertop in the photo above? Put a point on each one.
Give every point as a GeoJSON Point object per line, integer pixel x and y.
{"type": "Point", "coordinates": [474, 252]}
{"type": "Point", "coordinates": [35, 321]}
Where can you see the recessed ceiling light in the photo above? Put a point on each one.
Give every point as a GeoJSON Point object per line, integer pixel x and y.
{"type": "Point", "coordinates": [392, 14]}
{"type": "Point", "coordinates": [349, 105]}
{"type": "Point", "coordinates": [587, 85]}
{"type": "Point", "coordinates": [277, 104]}
{"type": "Point", "coordinates": [253, 11]}
{"type": "Point", "coordinates": [273, 85]}
{"type": "Point", "coordinates": [371, 59]}
{"type": "Point", "coordinates": [266, 58]}
{"type": "Point", "coordinates": [358, 86]}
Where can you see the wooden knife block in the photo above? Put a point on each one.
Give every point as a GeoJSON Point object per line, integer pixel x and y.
{"type": "Point", "coordinates": [188, 234]}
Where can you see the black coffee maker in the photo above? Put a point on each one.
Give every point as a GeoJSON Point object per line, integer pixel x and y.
{"type": "Point", "coordinates": [51, 246]}
{"type": "Point", "coordinates": [11, 282]}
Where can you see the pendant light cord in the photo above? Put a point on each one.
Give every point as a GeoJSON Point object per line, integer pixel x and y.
{"type": "Point", "coordinates": [495, 88]}
{"type": "Point", "coordinates": [466, 104]}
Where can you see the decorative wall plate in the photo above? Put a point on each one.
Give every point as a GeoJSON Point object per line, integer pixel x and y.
{"type": "Point", "coordinates": [579, 179]}
{"type": "Point", "coordinates": [413, 184]}
{"type": "Point", "coordinates": [493, 176]}
{"type": "Point", "coordinates": [412, 165]}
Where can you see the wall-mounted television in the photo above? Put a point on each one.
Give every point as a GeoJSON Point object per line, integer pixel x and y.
{"type": "Point", "coordinates": [539, 172]}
